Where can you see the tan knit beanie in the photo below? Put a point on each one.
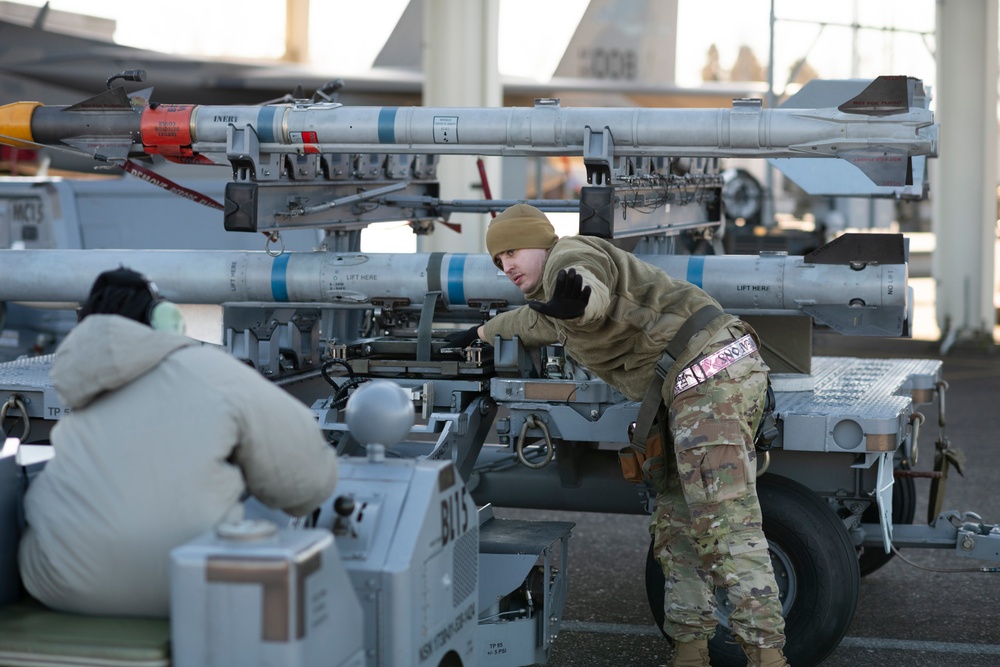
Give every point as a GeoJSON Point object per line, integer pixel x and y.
{"type": "Point", "coordinates": [520, 226]}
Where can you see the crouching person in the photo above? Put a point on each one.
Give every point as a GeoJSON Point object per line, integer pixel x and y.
{"type": "Point", "coordinates": [163, 438]}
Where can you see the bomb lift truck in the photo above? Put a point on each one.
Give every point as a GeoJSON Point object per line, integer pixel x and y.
{"type": "Point", "coordinates": [435, 579]}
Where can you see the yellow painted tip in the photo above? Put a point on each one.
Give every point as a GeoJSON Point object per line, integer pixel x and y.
{"type": "Point", "coordinates": [15, 124]}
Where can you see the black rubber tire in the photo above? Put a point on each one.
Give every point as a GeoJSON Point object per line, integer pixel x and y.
{"type": "Point", "coordinates": [815, 564]}
{"type": "Point", "coordinates": [904, 509]}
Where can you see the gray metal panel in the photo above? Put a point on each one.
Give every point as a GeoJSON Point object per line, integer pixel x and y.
{"type": "Point", "coordinates": [513, 536]}
{"type": "Point", "coordinates": [873, 393]}
{"type": "Point", "coordinates": [29, 377]}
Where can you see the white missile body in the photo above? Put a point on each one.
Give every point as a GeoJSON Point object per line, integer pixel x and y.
{"type": "Point", "coordinates": [743, 131]}
{"type": "Point", "coordinates": [845, 296]}
{"type": "Point", "coordinates": [878, 131]}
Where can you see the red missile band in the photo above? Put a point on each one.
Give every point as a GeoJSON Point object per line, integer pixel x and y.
{"type": "Point", "coordinates": [166, 130]}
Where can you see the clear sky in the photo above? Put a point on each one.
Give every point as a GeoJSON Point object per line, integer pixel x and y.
{"type": "Point", "coordinates": [346, 35]}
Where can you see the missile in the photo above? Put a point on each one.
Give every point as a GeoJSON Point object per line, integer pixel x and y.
{"type": "Point", "coordinates": [878, 130]}
{"type": "Point", "coordinates": [862, 292]}
{"type": "Point", "coordinates": [838, 178]}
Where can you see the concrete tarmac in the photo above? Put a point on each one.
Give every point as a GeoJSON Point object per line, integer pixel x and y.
{"type": "Point", "coordinates": [929, 611]}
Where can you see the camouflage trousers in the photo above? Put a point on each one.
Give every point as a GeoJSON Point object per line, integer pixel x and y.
{"type": "Point", "coordinates": [706, 523]}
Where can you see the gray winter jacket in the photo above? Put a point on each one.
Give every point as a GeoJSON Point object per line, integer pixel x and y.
{"type": "Point", "coordinates": [162, 438]}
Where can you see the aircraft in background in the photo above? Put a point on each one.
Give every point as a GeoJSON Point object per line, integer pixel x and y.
{"type": "Point", "coordinates": [46, 57]}
{"type": "Point", "coordinates": [608, 56]}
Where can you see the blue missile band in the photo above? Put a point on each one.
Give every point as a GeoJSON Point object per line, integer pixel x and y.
{"type": "Point", "coordinates": [387, 125]}
{"type": "Point", "coordinates": [696, 270]}
{"type": "Point", "coordinates": [265, 124]}
{"type": "Point", "coordinates": [279, 277]}
{"type": "Point", "coordinates": [456, 279]}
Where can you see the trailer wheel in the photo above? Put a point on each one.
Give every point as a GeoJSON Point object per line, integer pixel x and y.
{"type": "Point", "coordinates": [904, 508]}
{"type": "Point", "coordinates": [816, 567]}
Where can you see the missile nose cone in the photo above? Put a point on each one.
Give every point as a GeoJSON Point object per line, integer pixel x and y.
{"type": "Point", "coordinates": [15, 123]}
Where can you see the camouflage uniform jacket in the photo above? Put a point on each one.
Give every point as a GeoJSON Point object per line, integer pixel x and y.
{"type": "Point", "coordinates": [635, 309]}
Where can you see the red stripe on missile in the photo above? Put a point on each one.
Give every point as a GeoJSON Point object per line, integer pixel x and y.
{"type": "Point", "coordinates": [166, 129]}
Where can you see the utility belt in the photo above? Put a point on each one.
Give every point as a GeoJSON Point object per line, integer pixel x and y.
{"type": "Point", "coordinates": [642, 460]}
{"type": "Point", "coordinates": [704, 368]}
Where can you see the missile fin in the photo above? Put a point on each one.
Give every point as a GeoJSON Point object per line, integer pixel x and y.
{"type": "Point", "coordinates": [884, 96]}
{"type": "Point", "coordinates": [854, 247]}
{"type": "Point", "coordinates": [836, 178]}
{"type": "Point", "coordinates": [140, 98]}
{"type": "Point", "coordinates": [889, 321]}
{"type": "Point", "coordinates": [109, 100]}
{"type": "Point", "coordinates": [106, 149]}
{"type": "Point", "coordinates": [885, 166]}
{"type": "Point", "coordinates": [824, 93]}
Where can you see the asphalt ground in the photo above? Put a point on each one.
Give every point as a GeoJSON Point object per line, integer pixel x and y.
{"type": "Point", "coordinates": [919, 614]}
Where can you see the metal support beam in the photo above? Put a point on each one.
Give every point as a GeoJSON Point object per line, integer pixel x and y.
{"type": "Point", "coordinates": [461, 69]}
{"type": "Point", "coordinates": [296, 31]}
{"type": "Point", "coordinates": [964, 190]}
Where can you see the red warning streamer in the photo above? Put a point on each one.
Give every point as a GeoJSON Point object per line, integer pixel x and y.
{"type": "Point", "coordinates": [170, 186]}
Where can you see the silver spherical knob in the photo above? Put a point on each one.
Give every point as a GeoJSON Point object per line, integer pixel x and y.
{"type": "Point", "coordinates": [379, 412]}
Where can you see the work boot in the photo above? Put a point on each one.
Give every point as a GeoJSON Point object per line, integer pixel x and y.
{"type": "Point", "coordinates": [764, 657]}
{"type": "Point", "coordinates": [691, 654]}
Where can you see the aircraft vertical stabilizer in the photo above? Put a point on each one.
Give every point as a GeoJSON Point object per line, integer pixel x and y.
{"type": "Point", "coordinates": [624, 40]}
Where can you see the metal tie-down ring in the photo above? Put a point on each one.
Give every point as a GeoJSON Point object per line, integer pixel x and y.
{"type": "Point", "coordinates": [534, 421]}
{"type": "Point", "coordinates": [16, 401]}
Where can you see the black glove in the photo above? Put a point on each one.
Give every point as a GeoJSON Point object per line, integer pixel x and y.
{"type": "Point", "coordinates": [463, 338]}
{"type": "Point", "coordinates": [569, 298]}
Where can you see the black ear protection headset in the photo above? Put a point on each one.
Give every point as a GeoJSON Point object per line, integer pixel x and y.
{"type": "Point", "coordinates": [130, 294]}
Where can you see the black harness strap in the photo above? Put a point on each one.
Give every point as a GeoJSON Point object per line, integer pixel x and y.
{"type": "Point", "coordinates": [653, 397]}
{"type": "Point", "coordinates": [692, 325]}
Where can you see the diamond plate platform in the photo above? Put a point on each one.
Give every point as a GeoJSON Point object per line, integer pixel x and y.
{"type": "Point", "coordinates": [857, 405]}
